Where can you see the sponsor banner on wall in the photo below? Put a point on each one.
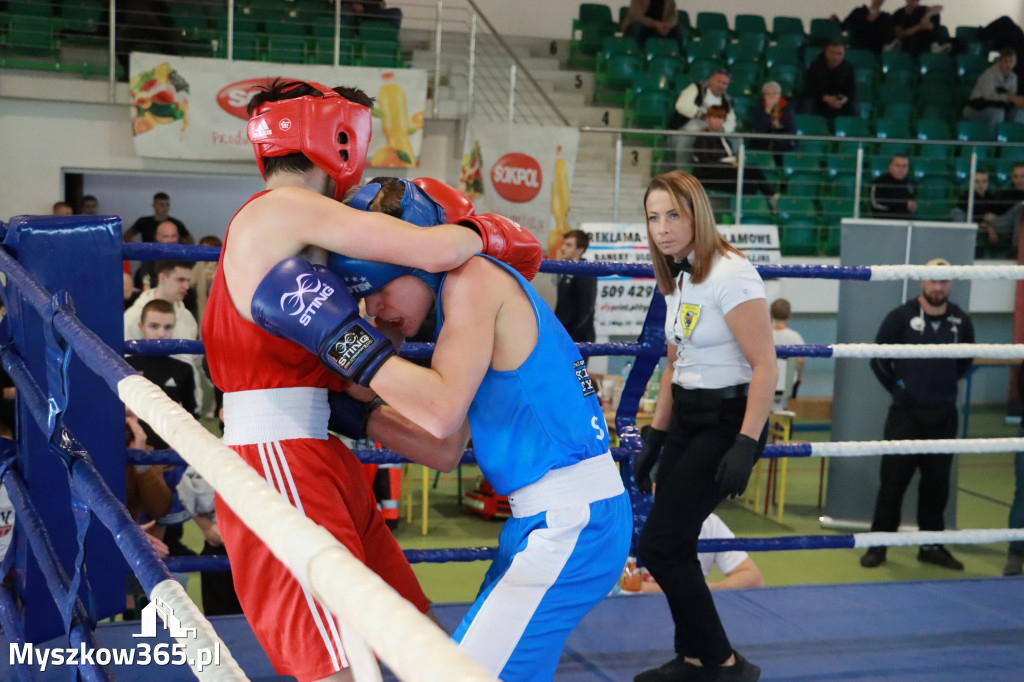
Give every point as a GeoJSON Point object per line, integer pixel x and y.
{"type": "Point", "coordinates": [194, 108]}
{"type": "Point", "coordinates": [522, 172]}
{"type": "Point", "coordinates": [622, 302]}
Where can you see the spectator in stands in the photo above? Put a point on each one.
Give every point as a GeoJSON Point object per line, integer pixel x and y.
{"type": "Point", "coordinates": [916, 27]}
{"type": "Point", "coordinates": [715, 163]}
{"type": "Point", "coordinates": [174, 376]}
{"type": "Point", "coordinates": [996, 218]}
{"type": "Point", "coordinates": [62, 208]}
{"type": "Point", "coordinates": [892, 195]}
{"type": "Point", "coordinates": [652, 19]}
{"type": "Point", "coordinates": [790, 369]}
{"type": "Point", "coordinates": [146, 225]}
{"type": "Point", "coordinates": [371, 10]}
{"type": "Point", "coordinates": [576, 293]}
{"type": "Point", "coordinates": [90, 205]}
{"type": "Point", "coordinates": [202, 275]}
{"type": "Point", "coordinates": [868, 26]}
{"type": "Point", "coordinates": [829, 83]}
{"type": "Point", "coordinates": [739, 569]}
{"type": "Point", "coordinates": [145, 275]}
{"type": "Point", "coordinates": [691, 105]}
{"type": "Point", "coordinates": [995, 97]}
{"type": "Point", "coordinates": [774, 116]}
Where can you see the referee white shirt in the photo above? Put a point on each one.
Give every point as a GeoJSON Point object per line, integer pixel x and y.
{"type": "Point", "coordinates": [707, 353]}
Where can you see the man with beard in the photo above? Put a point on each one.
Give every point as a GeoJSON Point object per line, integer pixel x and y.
{"type": "Point", "coordinates": [923, 406]}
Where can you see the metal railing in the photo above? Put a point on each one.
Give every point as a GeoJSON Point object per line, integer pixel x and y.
{"type": "Point", "coordinates": [830, 176]}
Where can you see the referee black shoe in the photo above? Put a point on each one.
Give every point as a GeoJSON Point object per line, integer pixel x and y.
{"type": "Point", "coordinates": [676, 670]}
{"type": "Point", "coordinates": [873, 558]}
{"type": "Point", "coordinates": [742, 671]}
{"type": "Point", "coordinates": [940, 556]}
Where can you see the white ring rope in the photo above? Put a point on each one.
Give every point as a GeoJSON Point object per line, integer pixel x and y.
{"type": "Point", "coordinates": [915, 447]}
{"type": "Point", "coordinates": [227, 669]}
{"type": "Point", "coordinates": [938, 537]}
{"type": "Point", "coordinates": [1005, 351]}
{"type": "Point", "coordinates": [882, 273]}
{"type": "Point", "coordinates": [412, 646]}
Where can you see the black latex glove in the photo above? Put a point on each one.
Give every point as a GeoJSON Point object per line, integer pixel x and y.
{"type": "Point", "coordinates": [735, 467]}
{"type": "Point", "coordinates": [654, 439]}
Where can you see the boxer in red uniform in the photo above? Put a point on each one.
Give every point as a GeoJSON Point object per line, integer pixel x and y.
{"type": "Point", "coordinates": [310, 144]}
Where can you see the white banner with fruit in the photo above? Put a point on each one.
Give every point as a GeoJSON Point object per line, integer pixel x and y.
{"type": "Point", "coordinates": [194, 108]}
{"type": "Point", "coordinates": [522, 172]}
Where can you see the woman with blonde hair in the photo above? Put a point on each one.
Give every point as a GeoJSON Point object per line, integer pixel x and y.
{"type": "Point", "coordinates": [710, 433]}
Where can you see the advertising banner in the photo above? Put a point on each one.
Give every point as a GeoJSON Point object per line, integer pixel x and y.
{"type": "Point", "coordinates": [622, 302]}
{"type": "Point", "coordinates": [524, 173]}
{"type": "Point", "coordinates": [194, 108]}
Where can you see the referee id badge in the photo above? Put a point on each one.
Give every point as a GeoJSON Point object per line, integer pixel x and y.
{"type": "Point", "coordinates": [689, 313]}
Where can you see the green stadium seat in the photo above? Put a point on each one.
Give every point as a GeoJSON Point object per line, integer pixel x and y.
{"type": "Point", "coordinates": [850, 126]}
{"type": "Point", "coordinates": [743, 53]}
{"type": "Point", "coordinates": [619, 45]}
{"type": "Point", "coordinates": [666, 66]}
{"type": "Point", "coordinates": [812, 124]}
{"type": "Point", "coordinates": [747, 24]}
{"type": "Point", "coordinates": [612, 80]}
{"type": "Point", "coordinates": [588, 32]}
{"type": "Point", "coordinates": [866, 81]}
{"type": "Point", "coordinates": [378, 44]}
{"type": "Point", "coordinates": [594, 11]}
{"type": "Point", "coordinates": [288, 49]}
{"type": "Point", "coordinates": [824, 31]}
{"type": "Point", "coordinates": [934, 187]}
{"type": "Point", "coordinates": [660, 47]}
{"type": "Point", "coordinates": [757, 158]}
{"type": "Point", "coordinates": [941, 64]}
{"type": "Point", "coordinates": [806, 184]}
{"type": "Point", "coordinates": [32, 36]}
{"type": "Point", "coordinates": [323, 44]}
{"type": "Point", "coordinates": [793, 41]}
{"type": "Point", "coordinates": [702, 51]}
{"type": "Point", "coordinates": [787, 26]}
{"type": "Point", "coordinates": [750, 71]}
{"type": "Point", "coordinates": [844, 185]}
{"type": "Point", "coordinates": [781, 54]}
{"type": "Point", "coordinates": [840, 165]}
{"type": "Point", "coordinates": [968, 34]}
{"type": "Point", "coordinates": [743, 105]}
{"type": "Point", "coordinates": [876, 166]}
{"type": "Point", "coordinates": [799, 162]}
{"type": "Point", "coordinates": [755, 210]}
{"type": "Point", "coordinates": [970, 66]}
{"type": "Point", "coordinates": [797, 210]}
{"type": "Point", "coordinates": [747, 87]}
{"type": "Point", "coordinates": [684, 23]}
{"type": "Point", "coordinates": [933, 129]}
{"type": "Point", "coordinates": [939, 99]}
{"type": "Point", "coordinates": [799, 238]}
{"type": "Point", "coordinates": [1010, 131]}
{"type": "Point", "coordinates": [893, 129]}
{"type": "Point", "coordinates": [711, 21]}
{"type": "Point", "coordinates": [30, 8]}
{"type": "Point", "coordinates": [906, 80]}
{"type": "Point", "coordinates": [894, 93]}
{"type": "Point", "coordinates": [934, 209]}
{"type": "Point", "coordinates": [924, 167]}
{"type": "Point", "coordinates": [897, 61]}
{"type": "Point", "coordinates": [974, 131]}
{"type": "Point", "coordinates": [788, 76]}
{"type": "Point", "coordinates": [902, 110]}
{"type": "Point", "coordinates": [701, 69]}
{"type": "Point", "coordinates": [863, 59]}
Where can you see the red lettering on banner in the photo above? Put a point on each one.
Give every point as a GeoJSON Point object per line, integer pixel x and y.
{"type": "Point", "coordinates": [517, 177]}
{"type": "Point", "coordinates": [235, 97]}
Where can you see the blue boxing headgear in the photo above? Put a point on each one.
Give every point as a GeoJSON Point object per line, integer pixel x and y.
{"type": "Point", "coordinates": [363, 277]}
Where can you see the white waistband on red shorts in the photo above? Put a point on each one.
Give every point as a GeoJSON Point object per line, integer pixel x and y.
{"type": "Point", "coordinates": [585, 482]}
{"type": "Point", "coordinates": [272, 414]}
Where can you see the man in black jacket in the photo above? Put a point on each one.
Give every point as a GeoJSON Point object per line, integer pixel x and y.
{"type": "Point", "coordinates": [924, 393]}
{"type": "Point", "coordinates": [830, 84]}
{"type": "Point", "coordinates": [892, 195]}
{"type": "Point", "coordinates": [576, 293]}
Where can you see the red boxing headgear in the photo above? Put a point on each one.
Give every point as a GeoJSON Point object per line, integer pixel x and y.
{"type": "Point", "coordinates": [331, 131]}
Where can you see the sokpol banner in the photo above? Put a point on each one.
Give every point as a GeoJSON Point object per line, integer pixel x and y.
{"type": "Point", "coordinates": [194, 108]}
{"type": "Point", "coordinates": [522, 172]}
{"type": "Point", "coordinates": [622, 302]}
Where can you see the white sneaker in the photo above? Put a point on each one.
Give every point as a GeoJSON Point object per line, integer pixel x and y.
{"type": "Point", "coordinates": [893, 46]}
{"type": "Point", "coordinates": [942, 48]}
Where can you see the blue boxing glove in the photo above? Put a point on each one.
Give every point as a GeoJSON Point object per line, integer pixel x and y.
{"type": "Point", "coordinates": [308, 304]}
{"type": "Point", "coordinates": [349, 416]}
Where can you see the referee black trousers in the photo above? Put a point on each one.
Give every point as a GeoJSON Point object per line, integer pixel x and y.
{"type": "Point", "coordinates": [699, 435]}
{"type": "Point", "coordinates": [909, 423]}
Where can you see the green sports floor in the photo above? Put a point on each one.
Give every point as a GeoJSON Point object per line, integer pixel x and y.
{"type": "Point", "coordinates": [983, 500]}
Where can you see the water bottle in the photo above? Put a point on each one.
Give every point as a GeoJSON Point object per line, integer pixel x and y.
{"type": "Point", "coordinates": [654, 384]}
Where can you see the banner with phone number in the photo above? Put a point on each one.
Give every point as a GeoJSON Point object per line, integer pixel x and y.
{"type": "Point", "coordinates": [622, 302]}
{"type": "Point", "coordinates": [194, 108]}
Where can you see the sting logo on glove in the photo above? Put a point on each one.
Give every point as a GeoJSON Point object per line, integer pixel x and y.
{"type": "Point", "coordinates": [346, 350]}
{"type": "Point", "coordinates": [295, 299]}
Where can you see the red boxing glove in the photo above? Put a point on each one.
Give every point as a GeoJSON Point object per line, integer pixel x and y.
{"type": "Point", "coordinates": [456, 205]}
{"type": "Point", "coordinates": [508, 242]}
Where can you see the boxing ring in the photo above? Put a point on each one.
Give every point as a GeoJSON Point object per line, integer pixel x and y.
{"type": "Point", "coordinates": [67, 571]}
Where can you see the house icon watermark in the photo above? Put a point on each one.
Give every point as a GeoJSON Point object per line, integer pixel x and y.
{"type": "Point", "coordinates": [160, 607]}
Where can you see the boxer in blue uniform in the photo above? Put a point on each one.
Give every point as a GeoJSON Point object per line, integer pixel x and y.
{"type": "Point", "coordinates": [505, 363]}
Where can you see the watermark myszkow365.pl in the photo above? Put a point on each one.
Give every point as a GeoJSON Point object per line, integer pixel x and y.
{"type": "Point", "coordinates": [142, 653]}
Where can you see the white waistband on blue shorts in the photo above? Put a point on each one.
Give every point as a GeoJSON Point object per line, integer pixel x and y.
{"type": "Point", "coordinates": [271, 414]}
{"type": "Point", "coordinates": [585, 482]}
